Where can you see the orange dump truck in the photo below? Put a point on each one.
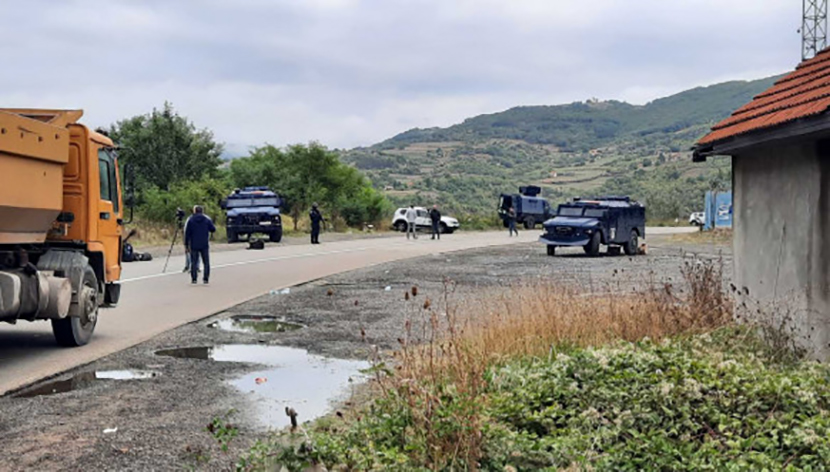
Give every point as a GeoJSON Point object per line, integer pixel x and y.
{"type": "Point", "coordinates": [60, 222]}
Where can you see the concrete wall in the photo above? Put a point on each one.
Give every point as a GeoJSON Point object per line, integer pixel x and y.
{"type": "Point", "coordinates": [781, 238]}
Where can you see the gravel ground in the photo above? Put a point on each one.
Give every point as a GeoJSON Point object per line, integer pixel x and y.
{"type": "Point", "coordinates": [162, 420]}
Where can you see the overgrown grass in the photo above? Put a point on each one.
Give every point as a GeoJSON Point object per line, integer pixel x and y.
{"type": "Point", "coordinates": [718, 237]}
{"type": "Point", "coordinates": [541, 376]}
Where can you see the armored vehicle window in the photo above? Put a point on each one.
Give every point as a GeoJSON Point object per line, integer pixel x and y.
{"type": "Point", "coordinates": [570, 211]}
{"type": "Point", "coordinates": [595, 213]}
{"type": "Point", "coordinates": [422, 214]}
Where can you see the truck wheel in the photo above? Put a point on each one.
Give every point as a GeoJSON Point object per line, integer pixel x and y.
{"type": "Point", "coordinates": [400, 226]}
{"type": "Point", "coordinates": [442, 228]}
{"type": "Point", "coordinates": [551, 250]}
{"type": "Point", "coordinates": [75, 331]}
{"type": "Point", "coordinates": [233, 237]}
{"type": "Point", "coordinates": [592, 248]}
{"type": "Point", "coordinates": [631, 246]}
{"type": "Point", "coordinates": [275, 236]}
{"type": "Point", "coordinates": [530, 223]}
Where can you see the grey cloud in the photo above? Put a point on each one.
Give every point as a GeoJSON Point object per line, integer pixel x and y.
{"type": "Point", "coordinates": [352, 72]}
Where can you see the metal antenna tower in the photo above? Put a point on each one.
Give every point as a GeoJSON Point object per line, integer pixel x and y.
{"type": "Point", "coordinates": [813, 28]}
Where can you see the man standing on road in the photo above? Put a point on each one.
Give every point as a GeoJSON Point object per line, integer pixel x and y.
{"type": "Point", "coordinates": [316, 218]}
{"type": "Point", "coordinates": [197, 238]}
{"type": "Point", "coordinates": [435, 217]}
{"type": "Point", "coordinates": [511, 221]}
{"type": "Point", "coordinates": [411, 217]}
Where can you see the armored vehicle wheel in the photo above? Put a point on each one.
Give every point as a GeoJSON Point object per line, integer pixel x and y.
{"type": "Point", "coordinates": [530, 223]}
{"type": "Point", "coordinates": [551, 250]}
{"type": "Point", "coordinates": [632, 244]}
{"type": "Point", "coordinates": [592, 248]}
{"type": "Point", "coordinates": [442, 228]}
{"type": "Point", "coordinates": [233, 237]}
{"type": "Point", "coordinates": [77, 330]}
{"type": "Point", "coordinates": [275, 236]}
{"type": "Point", "coordinates": [400, 226]}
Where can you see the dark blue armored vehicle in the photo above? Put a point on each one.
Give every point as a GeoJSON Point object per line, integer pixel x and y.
{"type": "Point", "coordinates": [529, 206]}
{"type": "Point", "coordinates": [253, 210]}
{"type": "Point", "coordinates": [613, 221]}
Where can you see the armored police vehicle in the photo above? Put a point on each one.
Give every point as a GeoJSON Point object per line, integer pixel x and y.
{"type": "Point", "coordinates": [253, 210]}
{"type": "Point", "coordinates": [613, 221]}
{"type": "Point", "coordinates": [530, 208]}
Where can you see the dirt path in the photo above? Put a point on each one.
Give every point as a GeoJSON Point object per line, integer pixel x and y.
{"type": "Point", "coordinates": [161, 420]}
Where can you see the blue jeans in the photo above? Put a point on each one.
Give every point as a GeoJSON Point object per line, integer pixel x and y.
{"type": "Point", "coordinates": [194, 263]}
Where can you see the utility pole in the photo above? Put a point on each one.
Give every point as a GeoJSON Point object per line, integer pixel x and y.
{"type": "Point", "coordinates": [813, 28]}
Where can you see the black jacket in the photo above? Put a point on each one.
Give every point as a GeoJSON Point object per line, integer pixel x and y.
{"type": "Point", "coordinates": [435, 215]}
{"type": "Point", "coordinates": [197, 232]}
{"type": "Point", "coordinates": [316, 217]}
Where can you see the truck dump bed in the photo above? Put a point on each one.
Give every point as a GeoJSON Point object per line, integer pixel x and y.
{"type": "Point", "coordinates": [34, 148]}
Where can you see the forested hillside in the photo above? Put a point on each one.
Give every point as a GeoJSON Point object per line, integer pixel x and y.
{"type": "Point", "coordinates": [582, 148]}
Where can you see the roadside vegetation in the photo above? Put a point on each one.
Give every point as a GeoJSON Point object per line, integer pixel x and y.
{"type": "Point", "coordinates": [176, 165]}
{"type": "Point", "coordinates": [545, 377]}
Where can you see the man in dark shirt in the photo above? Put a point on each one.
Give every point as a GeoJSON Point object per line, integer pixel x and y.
{"type": "Point", "coordinates": [197, 237]}
{"type": "Point", "coordinates": [511, 221]}
{"type": "Point", "coordinates": [435, 217]}
{"type": "Point", "coordinates": [316, 218]}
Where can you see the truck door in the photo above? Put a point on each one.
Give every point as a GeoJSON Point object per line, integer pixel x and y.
{"type": "Point", "coordinates": [109, 213]}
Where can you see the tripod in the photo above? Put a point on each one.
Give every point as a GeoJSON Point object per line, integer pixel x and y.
{"type": "Point", "coordinates": [179, 220]}
{"type": "Point", "coordinates": [172, 243]}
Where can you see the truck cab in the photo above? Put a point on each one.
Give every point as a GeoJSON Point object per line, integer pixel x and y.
{"type": "Point", "coordinates": [616, 222]}
{"type": "Point", "coordinates": [253, 210]}
{"type": "Point", "coordinates": [61, 221]}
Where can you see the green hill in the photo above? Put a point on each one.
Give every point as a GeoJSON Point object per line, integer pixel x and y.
{"type": "Point", "coordinates": [577, 149]}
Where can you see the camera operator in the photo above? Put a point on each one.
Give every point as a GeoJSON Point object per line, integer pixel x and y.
{"type": "Point", "coordinates": [197, 238]}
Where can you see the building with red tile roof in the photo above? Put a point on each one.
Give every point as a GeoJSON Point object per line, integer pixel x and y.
{"type": "Point", "coordinates": [779, 144]}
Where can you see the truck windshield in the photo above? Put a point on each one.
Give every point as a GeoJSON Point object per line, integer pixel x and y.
{"type": "Point", "coordinates": [570, 211]}
{"type": "Point", "coordinates": [253, 202]}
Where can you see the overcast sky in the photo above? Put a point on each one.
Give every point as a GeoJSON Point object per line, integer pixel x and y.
{"type": "Point", "coordinates": [354, 72]}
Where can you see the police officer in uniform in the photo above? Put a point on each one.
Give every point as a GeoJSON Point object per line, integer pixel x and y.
{"type": "Point", "coordinates": [316, 219]}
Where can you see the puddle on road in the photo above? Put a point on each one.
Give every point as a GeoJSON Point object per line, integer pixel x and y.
{"type": "Point", "coordinates": [84, 380]}
{"type": "Point", "coordinates": [306, 382]}
{"type": "Point", "coordinates": [255, 324]}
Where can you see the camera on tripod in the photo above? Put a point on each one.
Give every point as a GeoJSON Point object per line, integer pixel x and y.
{"type": "Point", "coordinates": [180, 214]}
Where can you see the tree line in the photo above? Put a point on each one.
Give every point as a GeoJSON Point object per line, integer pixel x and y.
{"type": "Point", "coordinates": [175, 165]}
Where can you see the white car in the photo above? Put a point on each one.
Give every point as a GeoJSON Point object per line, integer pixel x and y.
{"type": "Point", "coordinates": [422, 221]}
{"type": "Point", "coordinates": [697, 218]}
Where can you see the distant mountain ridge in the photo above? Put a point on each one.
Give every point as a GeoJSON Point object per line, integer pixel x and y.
{"type": "Point", "coordinates": [578, 147]}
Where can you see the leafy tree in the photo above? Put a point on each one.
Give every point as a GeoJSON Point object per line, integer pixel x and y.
{"type": "Point", "coordinates": [307, 174]}
{"type": "Point", "coordinates": [166, 148]}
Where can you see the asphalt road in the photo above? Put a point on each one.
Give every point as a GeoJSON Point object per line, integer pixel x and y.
{"type": "Point", "coordinates": [153, 302]}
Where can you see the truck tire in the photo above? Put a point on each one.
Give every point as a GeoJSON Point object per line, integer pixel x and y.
{"type": "Point", "coordinates": [592, 248]}
{"type": "Point", "coordinates": [442, 228]}
{"type": "Point", "coordinates": [74, 331]}
{"type": "Point", "coordinates": [275, 236]}
{"type": "Point", "coordinates": [232, 237]}
{"type": "Point", "coordinates": [530, 223]}
{"type": "Point", "coordinates": [551, 250]}
{"type": "Point", "coordinates": [401, 226]}
{"type": "Point", "coordinates": [632, 244]}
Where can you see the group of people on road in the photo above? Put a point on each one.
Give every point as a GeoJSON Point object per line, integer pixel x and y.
{"type": "Point", "coordinates": [412, 220]}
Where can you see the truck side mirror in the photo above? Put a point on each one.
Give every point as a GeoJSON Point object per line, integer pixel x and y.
{"type": "Point", "coordinates": [129, 186]}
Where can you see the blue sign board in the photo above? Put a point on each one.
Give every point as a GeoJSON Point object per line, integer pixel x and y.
{"type": "Point", "coordinates": [718, 210]}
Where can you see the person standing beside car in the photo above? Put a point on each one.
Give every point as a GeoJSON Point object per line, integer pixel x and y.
{"type": "Point", "coordinates": [411, 218]}
{"type": "Point", "coordinates": [435, 217]}
{"type": "Point", "coordinates": [197, 237]}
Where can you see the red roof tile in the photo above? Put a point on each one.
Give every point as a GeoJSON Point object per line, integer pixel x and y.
{"type": "Point", "coordinates": [804, 92]}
